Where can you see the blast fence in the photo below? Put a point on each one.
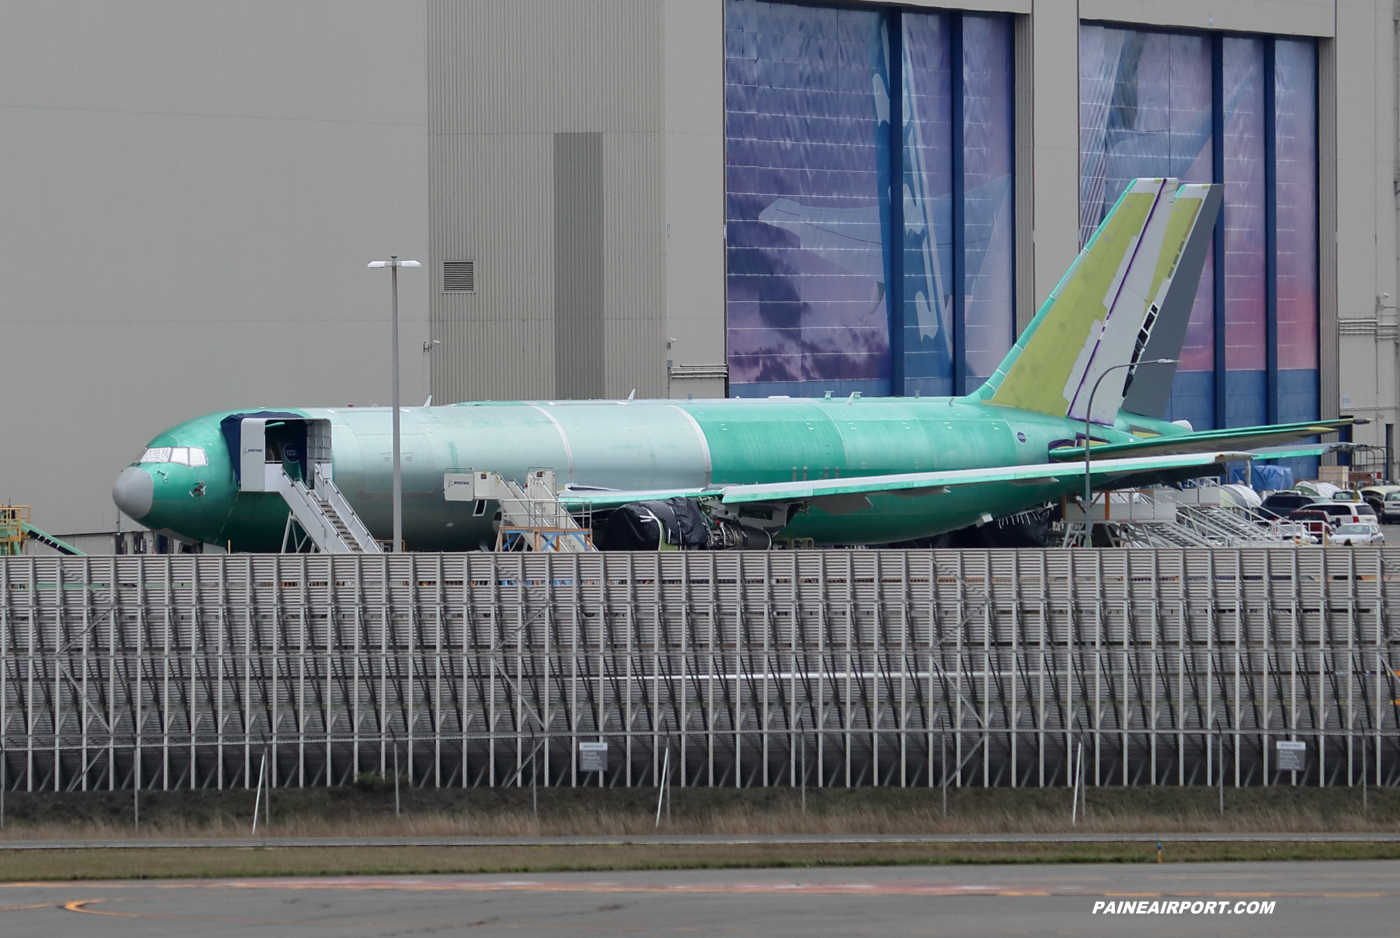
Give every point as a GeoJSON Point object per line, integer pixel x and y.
{"type": "Point", "coordinates": [837, 668]}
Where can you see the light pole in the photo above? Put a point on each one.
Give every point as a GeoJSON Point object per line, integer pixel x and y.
{"type": "Point", "coordinates": [393, 263]}
{"type": "Point", "coordinates": [1088, 413]}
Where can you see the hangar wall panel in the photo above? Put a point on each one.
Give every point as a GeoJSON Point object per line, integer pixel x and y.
{"type": "Point", "coordinates": [189, 201]}
{"type": "Point", "coordinates": [1023, 73]}
{"type": "Point", "coordinates": [1366, 215]}
{"type": "Point", "coordinates": [1329, 363]}
{"type": "Point", "coordinates": [1055, 126]}
{"type": "Point", "coordinates": [1284, 17]}
{"type": "Point", "coordinates": [578, 265]}
{"type": "Point", "coordinates": [635, 260]}
{"type": "Point", "coordinates": [504, 78]}
{"type": "Point", "coordinates": [695, 197]}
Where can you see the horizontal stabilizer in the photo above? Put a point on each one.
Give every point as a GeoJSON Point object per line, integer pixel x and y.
{"type": "Point", "coordinates": [1241, 438]}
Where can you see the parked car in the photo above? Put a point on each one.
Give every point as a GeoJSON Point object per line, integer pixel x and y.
{"type": "Point", "coordinates": [1358, 533]}
{"type": "Point", "coordinates": [1280, 504]}
{"type": "Point", "coordinates": [1389, 510]}
{"type": "Point", "coordinates": [1376, 496]}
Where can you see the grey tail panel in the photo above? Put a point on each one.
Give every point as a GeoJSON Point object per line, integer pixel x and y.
{"type": "Point", "coordinates": [1151, 383]}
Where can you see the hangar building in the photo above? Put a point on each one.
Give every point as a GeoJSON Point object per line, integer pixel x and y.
{"type": "Point", "coordinates": [677, 197]}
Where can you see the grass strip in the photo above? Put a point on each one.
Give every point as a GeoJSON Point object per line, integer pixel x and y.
{"type": "Point", "coordinates": [187, 863]}
{"type": "Point", "coordinates": [369, 811]}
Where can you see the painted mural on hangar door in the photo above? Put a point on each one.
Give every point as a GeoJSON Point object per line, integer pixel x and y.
{"type": "Point", "coordinates": [809, 131]}
{"type": "Point", "coordinates": [1148, 108]}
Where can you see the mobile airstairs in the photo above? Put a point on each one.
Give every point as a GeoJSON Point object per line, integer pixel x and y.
{"type": "Point", "coordinates": [322, 513]}
{"type": "Point", "coordinates": [318, 510]}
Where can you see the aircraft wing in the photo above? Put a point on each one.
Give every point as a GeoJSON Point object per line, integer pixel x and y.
{"type": "Point", "coordinates": [603, 499]}
{"type": "Point", "coordinates": [915, 484]}
{"type": "Point", "coordinates": [1242, 438]}
{"type": "Point", "coordinates": [840, 496]}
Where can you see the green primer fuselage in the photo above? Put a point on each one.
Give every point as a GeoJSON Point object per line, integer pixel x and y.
{"type": "Point", "coordinates": [638, 445]}
{"type": "Point", "coordinates": [1126, 300]}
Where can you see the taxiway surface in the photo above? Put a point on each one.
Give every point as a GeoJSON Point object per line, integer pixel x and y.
{"type": "Point", "coordinates": [1357, 899]}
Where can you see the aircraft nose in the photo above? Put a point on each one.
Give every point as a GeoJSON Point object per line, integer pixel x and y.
{"type": "Point", "coordinates": [133, 492]}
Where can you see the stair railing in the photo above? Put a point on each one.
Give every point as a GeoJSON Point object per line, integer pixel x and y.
{"type": "Point", "coordinates": [335, 499]}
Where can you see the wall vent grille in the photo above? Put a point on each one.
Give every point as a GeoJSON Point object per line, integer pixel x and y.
{"type": "Point", "coordinates": [459, 276]}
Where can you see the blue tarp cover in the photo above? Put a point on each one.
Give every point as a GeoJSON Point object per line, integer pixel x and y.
{"type": "Point", "coordinates": [1271, 478]}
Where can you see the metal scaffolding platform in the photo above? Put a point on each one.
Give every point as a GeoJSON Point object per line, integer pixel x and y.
{"type": "Point", "coordinates": [529, 518]}
{"type": "Point", "coordinates": [1164, 518]}
{"type": "Point", "coordinates": [844, 667]}
{"type": "Point", "coordinates": [13, 521]}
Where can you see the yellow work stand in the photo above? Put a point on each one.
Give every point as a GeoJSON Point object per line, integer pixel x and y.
{"type": "Point", "coordinates": [13, 518]}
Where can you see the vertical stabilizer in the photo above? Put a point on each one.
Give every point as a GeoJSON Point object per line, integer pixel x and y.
{"type": "Point", "coordinates": [1127, 297]}
{"type": "Point", "coordinates": [1150, 388]}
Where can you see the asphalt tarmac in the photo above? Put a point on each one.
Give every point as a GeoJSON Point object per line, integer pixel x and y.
{"type": "Point", "coordinates": [1356, 899]}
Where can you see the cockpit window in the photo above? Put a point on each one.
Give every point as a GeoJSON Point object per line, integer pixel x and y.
{"type": "Point", "coordinates": [180, 455]}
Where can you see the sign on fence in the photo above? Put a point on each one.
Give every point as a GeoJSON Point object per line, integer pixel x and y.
{"type": "Point", "coordinates": [592, 757]}
{"type": "Point", "coordinates": [1291, 757]}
